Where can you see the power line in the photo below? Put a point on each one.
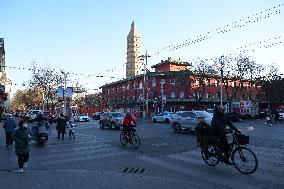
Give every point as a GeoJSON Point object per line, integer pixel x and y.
{"type": "Point", "coordinates": [240, 23]}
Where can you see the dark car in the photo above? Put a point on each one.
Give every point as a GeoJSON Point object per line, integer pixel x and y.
{"type": "Point", "coordinates": [233, 116]}
{"type": "Point", "coordinates": [96, 115]}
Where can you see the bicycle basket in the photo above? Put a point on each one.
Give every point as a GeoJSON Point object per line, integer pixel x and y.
{"type": "Point", "coordinates": [242, 139]}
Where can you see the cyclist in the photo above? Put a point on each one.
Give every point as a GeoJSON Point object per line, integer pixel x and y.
{"type": "Point", "coordinates": [219, 123]}
{"type": "Point", "coordinates": [128, 122]}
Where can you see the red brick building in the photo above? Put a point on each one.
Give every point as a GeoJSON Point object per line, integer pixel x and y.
{"type": "Point", "coordinates": [173, 87]}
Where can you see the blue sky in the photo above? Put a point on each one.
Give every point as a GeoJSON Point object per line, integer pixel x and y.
{"type": "Point", "coordinates": [89, 36]}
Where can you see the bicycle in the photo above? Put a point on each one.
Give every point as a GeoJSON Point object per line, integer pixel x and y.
{"type": "Point", "coordinates": [130, 137]}
{"type": "Point", "coordinates": [240, 154]}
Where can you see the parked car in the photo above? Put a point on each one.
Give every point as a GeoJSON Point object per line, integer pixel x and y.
{"type": "Point", "coordinates": [210, 111]}
{"type": "Point", "coordinates": [81, 118]}
{"type": "Point", "coordinates": [281, 114]}
{"type": "Point", "coordinates": [112, 120]}
{"type": "Point", "coordinates": [31, 115]}
{"type": "Point", "coordinates": [188, 120]}
{"type": "Point", "coordinates": [96, 115]}
{"type": "Point", "coordinates": [164, 117]}
{"type": "Point", "coordinates": [5, 116]}
{"type": "Point", "coordinates": [234, 116]}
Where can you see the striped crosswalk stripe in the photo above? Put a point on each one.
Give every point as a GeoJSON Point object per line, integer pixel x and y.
{"type": "Point", "coordinates": [191, 164]}
{"type": "Point", "coordinates": [84, 147]}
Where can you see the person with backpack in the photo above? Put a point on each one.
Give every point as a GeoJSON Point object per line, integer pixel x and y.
{"type": "Point", "coordinates": [22, 145]}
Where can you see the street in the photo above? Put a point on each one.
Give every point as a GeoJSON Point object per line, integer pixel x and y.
{"type": "Point", "coordinates": [96, 159]}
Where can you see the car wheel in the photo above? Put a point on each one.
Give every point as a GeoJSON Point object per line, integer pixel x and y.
{"type": "Point", "coordinates": [154, 120]}
{"type": "Point", "coordinates": [167, 120]}
{"type": "Point", "coordinates": [113, 126]}
{"type": "Point", "coordinates": [176, 128]}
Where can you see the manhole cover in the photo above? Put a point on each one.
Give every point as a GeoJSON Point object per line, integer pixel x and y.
{"type": "Point", "coordinates": [133, 170]}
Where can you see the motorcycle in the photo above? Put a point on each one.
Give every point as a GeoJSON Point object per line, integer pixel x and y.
{"type": "Point", "coordinates": [39, 134]}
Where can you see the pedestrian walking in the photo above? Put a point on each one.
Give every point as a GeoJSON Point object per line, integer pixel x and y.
{"type": "Point", "coordinates": [9, 127]}
{"type": "Point", "coordinates": [71, 127]}
{"type": "Point", "coordinates": [268, 117]}
{"type": "Point", "coordinates": [276, 115]}
{"type": "Point", "coordinates": [22, 145]}
{"type": "Point", "coordinates": [61, 126]}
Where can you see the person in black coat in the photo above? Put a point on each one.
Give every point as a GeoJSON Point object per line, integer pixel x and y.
{"type": "Point", "coordinates": [61, 126]}
{"type": "Point", "coordinates": [218, 124]}
{"type": "Point", "coordinates": [22, 145]}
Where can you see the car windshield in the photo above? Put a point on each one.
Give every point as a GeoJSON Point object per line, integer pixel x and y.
{"type": "Point", "coordinates": [82, 115]}
{"type": "Point", "coordinates": [281, 111]}
{"type": "Point", "coordinates": [118, 114]}
{"type": "Point", "coordinates": [203, 114]}
{"type": "Point", "coordinates": [45, 113]}
{"type": "Point", "coordinates": [210, 111]}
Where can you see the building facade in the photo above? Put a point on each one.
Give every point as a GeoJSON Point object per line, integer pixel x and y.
{"type": "Point", "coordinates": [133, 64]}
{"type": "Point", "coordinates": [5, 83]}
{"type": "Point", "coordinates": [174, 87]}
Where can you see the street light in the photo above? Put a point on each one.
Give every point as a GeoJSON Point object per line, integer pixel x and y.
{"type": "Point", "coordinates": [65, 91]}
{"type": "Point", "coordinates": [145, 85]}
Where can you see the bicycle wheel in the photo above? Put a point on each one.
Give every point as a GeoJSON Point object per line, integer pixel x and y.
{"type": "Point", "coordinates": [209, 155]}
{"type": "Point", "coordinates": [123, 140]}
{"type": "Point", "coordinates": [244, 160]}
{"type": "Point", "coordinates": [135, 141]}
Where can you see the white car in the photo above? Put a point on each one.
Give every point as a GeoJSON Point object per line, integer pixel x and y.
{"type": "Point", "coordinates": [188, 120]}
{"type": "Point", "coordinates": [81, 118]}
{"type": "Point", "coordinates": [281, 114]}
{"type": "Point", "coordinates": [33, 114]}
{"type": "Point", "coordinates": [164, 117]}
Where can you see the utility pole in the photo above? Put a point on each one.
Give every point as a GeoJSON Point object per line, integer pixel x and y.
{"type": "Point", "coordinates": [145, 84]}
{"type": "Point", "coordinates": [65, 92]}
{"type": "Point", "coordinates": [222, 63]}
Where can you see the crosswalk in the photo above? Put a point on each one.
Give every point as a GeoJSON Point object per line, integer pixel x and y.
{"type": "Point", "coordinates": [83, 148]}
{"type": "Point", "coordinates": [269, 174]}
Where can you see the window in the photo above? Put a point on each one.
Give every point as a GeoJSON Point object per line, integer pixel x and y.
{"type": "Point", "coordinates": [197, 82]}
{"type": "Point", "coordinates": [127, 86]}
{"type": "Point", "coordinates": [172, 81]}
{"type": "Point", "coordinates": [140, 85]}
{"type": "Point", "coordinates": [154, 82]}
{"type": "Point", "coordinates": [208, 95]}
{"type": "Point", "coordinates": [181, 95]}
{"type": "Point", "coordinates": [218, 94]}
{"type": "Point", "coordinates": [188, 114]}
{"type": "Point", "coordinates": [163, 81]}
{"type": "Point", "coordinates": [206, 82]}
{"type": "Point", "coordinates": [173, 95]}
{"type": "Point", "coordinates": [134, 85]}
{"type": "Point", "coordinates": [216, 83]}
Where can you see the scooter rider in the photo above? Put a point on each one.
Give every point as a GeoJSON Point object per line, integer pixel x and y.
{"type": "Point", "coordinates": [40, 127]}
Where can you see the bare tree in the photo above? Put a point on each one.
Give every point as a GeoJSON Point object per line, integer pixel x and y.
{"type": "Point", "coordinates": [201, 74]}
{"type": "Point", "coordinates": [46, 80]}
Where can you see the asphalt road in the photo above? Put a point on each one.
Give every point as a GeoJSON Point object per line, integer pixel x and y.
{"type": "Point", "coordinates": [96, 159]}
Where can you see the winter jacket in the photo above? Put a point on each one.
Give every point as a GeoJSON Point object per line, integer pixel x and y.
{"type": "Point", "coordinates": [61, 124]}
{"type": "Point", "coordinates": [10, 125]}
{"type": "Point", "coordinates": [127, 120]}
{"type": "Point", "coordinates": [22, 140]}
{"type": "Point", "coordinates": [220, 121]}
